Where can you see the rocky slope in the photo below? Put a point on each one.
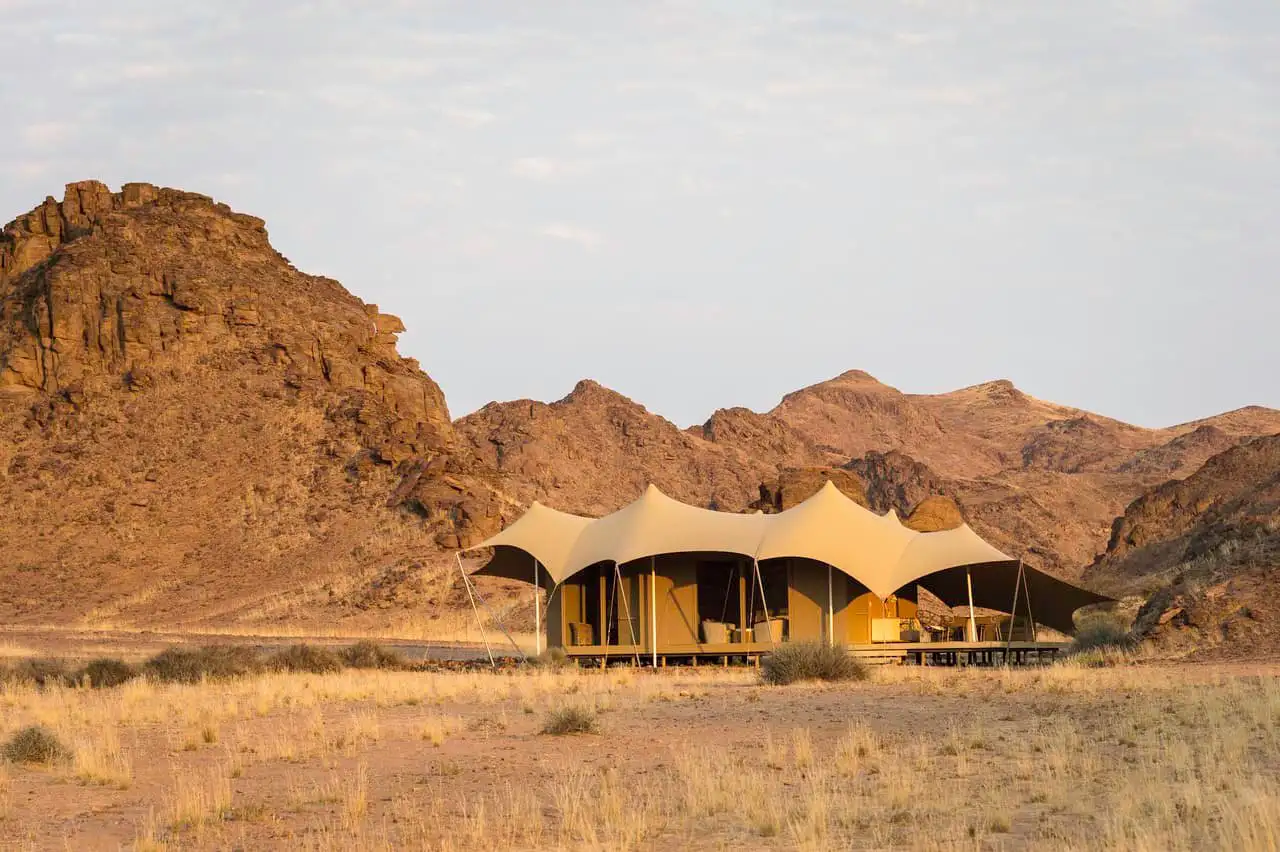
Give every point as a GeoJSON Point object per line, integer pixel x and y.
{"type": "Point", "coordinates": [1205, 550]}
{"type": "Point", "coordinates": [193, 427]}
{"type": "Point", "coordinates": [1038, 479]}
{"type": "Point", "coordinates": [197, 432]}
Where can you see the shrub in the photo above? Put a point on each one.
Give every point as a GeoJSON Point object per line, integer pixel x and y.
{"type": "Point", "coordinates": [183, 665]}
{"type": "Point", "coordinates": [371, 655]}
{"type": "Point", "coordinates": [305, 658]}
{"type": "Point", "coordinates": [106, 672]}
{"type": "Point", "coordinates": [36, 672]}
{"type": "Point", "coordinates": [552, 658]}
{"type": "Point", "coordinates": [570, 720]}
{"type": "Point", "coordinates": [797, 661]}
{"type": "Point", "coordinates": [1102, 633]}
{"type": "Point", "coordinates": [35, 744]}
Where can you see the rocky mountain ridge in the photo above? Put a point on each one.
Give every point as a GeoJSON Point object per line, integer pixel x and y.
{"type": "Point", "coordinates": [199, 433]}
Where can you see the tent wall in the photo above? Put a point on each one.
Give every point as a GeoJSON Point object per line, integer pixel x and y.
{"type": "Point", "coordinates": [807, 600]}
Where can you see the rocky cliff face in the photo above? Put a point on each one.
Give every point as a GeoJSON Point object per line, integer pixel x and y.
{"type": "Point", "coordinates": [196, 431]}
{"type": "Point", "coordinates": [1206, 552]}
{"type": "Point", "coordinates": [192, 423]}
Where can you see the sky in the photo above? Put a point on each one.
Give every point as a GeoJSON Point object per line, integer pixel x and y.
{"type": "Point", "coordinates": [711, 204]}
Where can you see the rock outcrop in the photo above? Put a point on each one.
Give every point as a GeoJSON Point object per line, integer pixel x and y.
{"type": "Point", "coordinates": [198, 432]}
{"type": "Point", "coordinates": [1205, 552]}
{"type": "Point", "coordinates": [193, 425]}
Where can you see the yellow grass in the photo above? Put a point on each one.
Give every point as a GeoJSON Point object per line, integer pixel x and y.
{"type": "Point", "coordinates": [1067, 757]}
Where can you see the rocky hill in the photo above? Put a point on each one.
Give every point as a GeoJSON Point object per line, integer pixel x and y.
{"type": "Point", "coordinates": [1205, 550]}
{"type": "Point", "coordinates": [197, 433]}
{"type": "Point", "coordinates": [196, 430]}
{"type": "Point", "coordinates": [1039, 479]}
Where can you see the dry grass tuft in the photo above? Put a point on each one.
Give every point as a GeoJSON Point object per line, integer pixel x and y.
{"type": "Point", "coordinates": [106, 672]}
{"type": "Point", "coordinates": [212, 662]}
{"type": "Point", "coordinates": [305, 658]}
{"type": "Point", "coordinates": [801, 661]}
{"type": "Point", "coordinates": [35, 744]}
{"type": "Point", "coordinates": [574, 719]}
{"type": "Point", "coordinates": [371, 655]}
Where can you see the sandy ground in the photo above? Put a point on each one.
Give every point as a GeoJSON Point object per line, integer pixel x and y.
{"type": "Point", "coordinates": [681, 759]}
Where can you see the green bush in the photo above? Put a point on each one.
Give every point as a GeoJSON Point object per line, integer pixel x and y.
{"type": "Point", "coordinates": [798, 661]}
{"type": "Point", "coordinates": [371, 655]}
{"type": "Point", "coordinates": [183, 665]}
{"type": "Point", "coordinates": [35, 744]}
{"type": "Point", "coordinates": [305, 658]}
{"type": "Point", "coordinates": [106, 672]}
{"type": "Point", "coordinates": [570, 720]}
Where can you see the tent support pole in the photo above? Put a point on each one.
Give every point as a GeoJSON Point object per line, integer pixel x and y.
{"type": "Point", "coordinates": [831, 611]}
{"type": "Point", "coordinates": [466, 582]}
{"type": "Point", "coordinates": [973, 622]}
{"type": "Point", "coordinates": [1013, 613]}
{"type": "Point", "coordinates": [494, 616]}
{"type": "Point", "coordinates": [537, 611]}
{"type": "Point", "coordinates": [653, 608]}
{"type": "Point", "coordinates": [764, 602]}
{"type": "Point", "coordinates": [611, 604]}
{"type": "Point", "coordinates": [631, 625]}
{"type": "Point", "coordinates": [1026, 588]}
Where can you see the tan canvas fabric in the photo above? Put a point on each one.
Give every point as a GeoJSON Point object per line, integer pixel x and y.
{"type": "Point", "coordinates": [831, 528]}
{"type": "Point", "coordinates": [655, 523]}
{"type": "Point", "coordinates": [934, 551]}
{"type": "Point", "coordinates": [541, 533]}
{"type": "Point", "coordinates": [876, 550]}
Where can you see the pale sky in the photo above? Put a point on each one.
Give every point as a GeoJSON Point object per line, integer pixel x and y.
{"type": "Point", "coordinates": [711, 204]}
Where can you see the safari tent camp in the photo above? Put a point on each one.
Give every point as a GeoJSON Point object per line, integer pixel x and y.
{"type": "Point", "coordinates": [659, 578]}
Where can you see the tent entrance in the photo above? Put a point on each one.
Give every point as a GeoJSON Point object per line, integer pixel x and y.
{"type": "Point", "coordinates": [721, 587]}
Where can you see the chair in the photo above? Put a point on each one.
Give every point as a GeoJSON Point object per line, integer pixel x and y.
{"type": "Point", "coordinates": [581, 633]}
{"type": "Point", "coordinates": [715, 632]}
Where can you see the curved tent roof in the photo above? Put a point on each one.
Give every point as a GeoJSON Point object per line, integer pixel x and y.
{"type": "Point", "coordinates": [654, 524]}
{"type": "Point", "coordinates": [876, 550]}
{"type": "Point", "coordinates": [934, 551]}
{"type": "Point", "coordinates": [831, 528]}
{"type": "Point", "coordinates": [543, 533]}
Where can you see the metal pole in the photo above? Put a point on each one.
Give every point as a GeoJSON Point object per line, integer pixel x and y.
{"type": "Point", "coordinates": [653, 609]}
{"type": "Point", "coordinates": [831, 612]}
{"type": "Point", "coordinates": [764, 603]}
{"type": "Point", "coordinates": [973, 622]}
{"type": "Point", "coordinates": [631, 625]}
{"type": "Point", "coordinates": [537, 611]}
{"type": "Point", "coordinates": [1026, 588]}
{"type": "Point", "coordinates": [467, 583]}
{"type": "Point", "coordinates": [1013, 613]}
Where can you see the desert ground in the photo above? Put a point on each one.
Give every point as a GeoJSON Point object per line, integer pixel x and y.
{"type": "Point", "coordinates": [1132, 754]}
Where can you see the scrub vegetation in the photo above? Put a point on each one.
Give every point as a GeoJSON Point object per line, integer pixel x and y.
{"type": "Point", "coordinates": [1130, 756]}
{"type": "Point", "coordinates": [795, 662]}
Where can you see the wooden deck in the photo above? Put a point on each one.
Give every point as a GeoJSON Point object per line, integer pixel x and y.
{"type": "Point", "coordinates": [901, 653]}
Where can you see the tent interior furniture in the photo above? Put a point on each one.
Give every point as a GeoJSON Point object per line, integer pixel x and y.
{"type": "Point", "coordinates": [660, 580]}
